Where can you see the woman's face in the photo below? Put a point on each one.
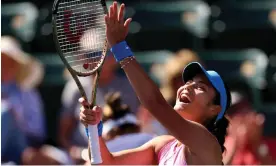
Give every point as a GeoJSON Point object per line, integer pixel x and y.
{"type": "Point", "coordinates": [195, 98]}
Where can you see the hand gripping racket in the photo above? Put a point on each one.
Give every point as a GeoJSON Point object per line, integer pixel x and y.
{"type": "Point", "coordinates": [79, 34]}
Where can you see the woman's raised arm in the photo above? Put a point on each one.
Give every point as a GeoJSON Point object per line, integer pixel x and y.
{"type": "Point", "coordinates": [148, 93]}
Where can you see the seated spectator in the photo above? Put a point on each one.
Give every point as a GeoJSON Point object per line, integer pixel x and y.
{"type": "Point", "coordinates": [14, 145]}
{"type": "Point", "coordinates": [121, 128]}
{"type": "Point", "coordinates": [20, 75]}
{"type": "Point", "coordinates": [245, 143]}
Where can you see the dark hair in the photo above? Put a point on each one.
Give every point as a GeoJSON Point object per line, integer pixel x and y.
{"type": "Point", "coordinates": [219, 128]}
{"type": "Point", "coordinates": [114, 109]}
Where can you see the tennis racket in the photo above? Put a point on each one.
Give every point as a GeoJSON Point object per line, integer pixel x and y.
{"type": "Point", "coordinates": [79, 34]}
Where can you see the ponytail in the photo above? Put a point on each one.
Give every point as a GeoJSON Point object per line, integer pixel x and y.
{"type": "Point", "coordinates": [219, 130]}
{"type": "Point", "coordinates": [114, 108]}
{"type": "Point", "coordinates": [117, 117]}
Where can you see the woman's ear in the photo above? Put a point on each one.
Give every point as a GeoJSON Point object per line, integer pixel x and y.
{"type": "Point", "coordinates": [215, 109]}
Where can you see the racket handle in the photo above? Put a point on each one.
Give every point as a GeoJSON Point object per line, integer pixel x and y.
{"type": "Point", "coordinates": [94, 144]}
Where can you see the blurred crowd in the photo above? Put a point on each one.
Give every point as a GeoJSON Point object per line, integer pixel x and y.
{"type": "Point", "coordinates": [126, 123]}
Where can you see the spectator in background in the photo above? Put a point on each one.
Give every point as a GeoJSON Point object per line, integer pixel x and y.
{"type": "Point", "coordinates": [170, 76]}
{"type": "Point", "coordinates": [20, 75]}
{"type": "Point", "coordinates": [121, 127]}
{"type": "Point", "coordinates": [13, 140]}
{"type": "Point", "coordinates": [72, 135]}
{"type": "Point", "coordinates": [245, 144]}
{"type": "Point", "coordinates": [14, 144]}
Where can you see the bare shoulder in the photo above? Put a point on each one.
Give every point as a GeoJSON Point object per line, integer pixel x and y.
{"type": "Point", "coordinates": [209, 150]}
{"type": "Point", "coordinates": [215, 154]}
{"type": "Point", "coordinates": [160, 141]}
{"type": "Point", "coordinates": [208, 137]}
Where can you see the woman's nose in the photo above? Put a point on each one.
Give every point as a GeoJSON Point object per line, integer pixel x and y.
{"type": "Point", "coordinates": [189, 86]}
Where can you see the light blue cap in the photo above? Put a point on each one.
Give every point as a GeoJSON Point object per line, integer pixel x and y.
{"type": "Point", "coordinates": [195, 68]}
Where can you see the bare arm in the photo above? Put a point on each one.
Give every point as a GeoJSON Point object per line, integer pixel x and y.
{"type": "Point", "coordinates": [197, 139]}
{"type": "Point", "coordinates": [144, 155]}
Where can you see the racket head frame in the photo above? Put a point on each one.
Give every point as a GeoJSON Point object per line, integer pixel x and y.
{"type": "Point", "coordinates": [70, 69]}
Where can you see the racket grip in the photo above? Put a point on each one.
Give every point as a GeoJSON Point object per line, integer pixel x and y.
{"type": "Point", "coordinates": [94, 144]}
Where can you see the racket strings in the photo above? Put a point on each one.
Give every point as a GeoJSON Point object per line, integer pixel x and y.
{"type": "Point", "coordinates": [85, 22]}
{"type": "Point", "coordinates": [80, 28]}
{"type": "Point", "coordinates": [96, 59]}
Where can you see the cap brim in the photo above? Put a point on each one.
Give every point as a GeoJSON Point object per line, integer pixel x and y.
{"type": "Point", "coordinates": [194, 68]}
{"type": "Point", "coordinates": [191, 70]}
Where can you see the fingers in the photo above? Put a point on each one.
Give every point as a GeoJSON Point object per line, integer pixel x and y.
{"type": "Point", "coordinates": [116, 27]}
{"type": "Point", "coordinates": [88, 116]}
{"type": "Point", "coordinates": [110, 11]}
{"type": "Point", "coordinates": [88, 119]}
{"type": "Point", "coordinates": [127, 22]}
{"type": "Point", "coordinates": [83, 102]}
{"type": "Point", "coordinates": [115, 16]}
{"type": "Point", "coordinates": [121, 14]}
{"type": "Point", "coordinates": [115, 11]}
{"type": "Point", "coordinates": [126, 25]}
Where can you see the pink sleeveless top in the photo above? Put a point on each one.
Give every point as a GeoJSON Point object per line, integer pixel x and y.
{"type": "Point", "coordinates": [171, 154]}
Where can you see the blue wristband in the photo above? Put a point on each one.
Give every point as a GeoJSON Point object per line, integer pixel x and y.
{"type": "Point", "coordinates": [121, 51]}
{"type": "Point", "coordinates": [100, 129]}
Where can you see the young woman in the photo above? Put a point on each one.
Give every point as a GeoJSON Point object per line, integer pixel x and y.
{"type": "Point", "coordinates": [196, 122]}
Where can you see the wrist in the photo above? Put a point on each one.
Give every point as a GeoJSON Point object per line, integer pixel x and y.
{"type": "Point", "coordinates": [121, 51]}
{"type": "Point", "coordinates": [100, 129]}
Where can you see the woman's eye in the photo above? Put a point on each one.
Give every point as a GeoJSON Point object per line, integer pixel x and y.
{"type": "Point", "coordinates": [201, 88]}
{"type": "Point", "coordinates": [188, 82]}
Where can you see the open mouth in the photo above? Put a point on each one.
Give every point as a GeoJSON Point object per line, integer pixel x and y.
{"type": "Point", "coordinates": [185, 99]}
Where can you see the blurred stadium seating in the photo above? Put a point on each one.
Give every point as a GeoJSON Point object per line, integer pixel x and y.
{"type": "Point", "coordinates": [240, 66]}
{"type": "Point", "coordinates": [183, 22]}
{"type": "Point", "coordinates": [271, 77]}
{"type": "Point", "coordinates": [243, 24]}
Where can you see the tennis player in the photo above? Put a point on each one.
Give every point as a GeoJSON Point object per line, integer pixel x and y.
{"type": "Point", "coordinates": [196, 122]}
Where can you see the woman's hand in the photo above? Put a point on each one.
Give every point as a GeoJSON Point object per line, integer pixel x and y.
{"type": "Point", "coordinates": [255, 125]}
{"type": "Point", "coordinates": [116, 28]}
{"type": "Point", "coordinates": [88, 116]}
{"type": "Point", "coordinates": [247, 129]}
